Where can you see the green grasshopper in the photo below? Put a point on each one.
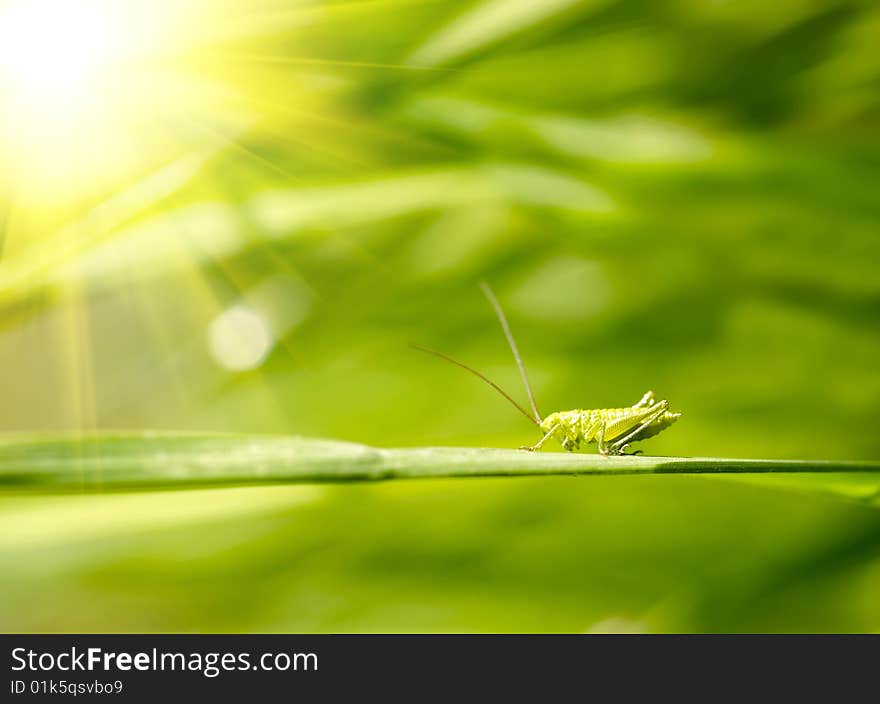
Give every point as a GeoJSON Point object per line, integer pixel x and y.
{"type": "Point", "coordinates": [612, 429]}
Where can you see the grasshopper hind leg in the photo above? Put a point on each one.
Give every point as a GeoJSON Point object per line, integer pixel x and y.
{"type": "Point", "coordinates": [604, 450]}
{"type": "Point", "coordinates": [612, 450]}
{"type": "Point", "coordinates": [646, 401]}
{"type": "Point", "coordinates": [618, 447]}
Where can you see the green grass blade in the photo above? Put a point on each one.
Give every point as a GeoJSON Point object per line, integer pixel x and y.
{"type": "Point", "coordinates": [174, 460]}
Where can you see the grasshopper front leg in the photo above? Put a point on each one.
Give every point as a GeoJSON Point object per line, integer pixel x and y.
{"type": "Point", "coordinates": [537, 445]}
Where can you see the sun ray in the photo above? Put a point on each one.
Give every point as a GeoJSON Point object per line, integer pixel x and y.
{"type": "Point", "coordinates": [339, 63]}
{"type": "Point", "coordinates": [80, 373]}
{"type": "Point", "coordinates": [28, 269]}
{"type": "Point", "coordinates": [335, 117]}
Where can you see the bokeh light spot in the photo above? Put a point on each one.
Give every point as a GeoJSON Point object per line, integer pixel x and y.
{"type": "Point", "coordinates": [239, 339]}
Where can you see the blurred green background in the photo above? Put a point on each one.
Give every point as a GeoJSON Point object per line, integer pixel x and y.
{"type": "Point", "coordinates": [240, 223]}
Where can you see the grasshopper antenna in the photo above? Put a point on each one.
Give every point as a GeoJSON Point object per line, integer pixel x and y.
{"type": "Point", "coordinates": [510, 341]}
{"type": "Point", "coordinates": [479, 375]}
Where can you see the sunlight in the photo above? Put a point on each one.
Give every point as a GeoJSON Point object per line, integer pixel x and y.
{"type": "Point", "coordinates": [71, 96]}
{"type": "Point", "coordinates": [96, 93]}
{"type": "Point", "coordinates": [50, 50]}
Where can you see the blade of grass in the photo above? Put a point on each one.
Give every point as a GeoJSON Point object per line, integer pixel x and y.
{"type": "Point", "coordinates": [153, 461]}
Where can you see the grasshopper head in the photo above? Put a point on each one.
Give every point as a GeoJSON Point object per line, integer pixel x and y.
{"type": "Point", "coordinates": [552, 420]}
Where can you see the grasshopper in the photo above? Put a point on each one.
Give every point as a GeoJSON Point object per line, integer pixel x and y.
{"type": "Point", "coordinates": [612, 429]}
